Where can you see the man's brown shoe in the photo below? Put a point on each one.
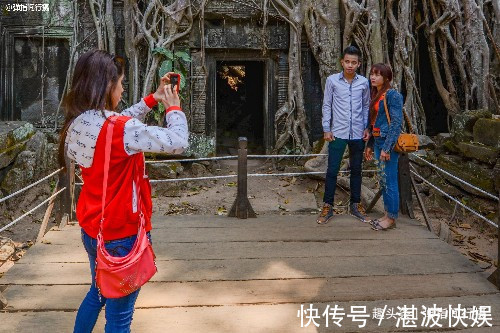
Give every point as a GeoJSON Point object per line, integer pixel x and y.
{"type": "Point", "coordinates": [326, 214]}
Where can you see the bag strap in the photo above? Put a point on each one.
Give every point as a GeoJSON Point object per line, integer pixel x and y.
{"type": "Point", "coordinates": [107, 157]}
{"type": "Point", "coordinates": [389, 117]}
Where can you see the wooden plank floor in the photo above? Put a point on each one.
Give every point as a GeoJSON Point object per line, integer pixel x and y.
{"type": "Point", "coordinates": [217, 274]}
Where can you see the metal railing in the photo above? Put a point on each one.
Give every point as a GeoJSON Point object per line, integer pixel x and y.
{"type": "Point", "coordinates": [454, 177]}
{"type": "Point", "coordinates": [29, 186]}
{"type": "Point", "coordinates": [220, 158]}
{"type": "Point", "coordinates": [62, 190]}
{"type": "Point", "coordinates": [242, 208]}
{"type": "Point", "coordinates": [495, 276]}
{"type": "Point", "coordinates": [414, 172]}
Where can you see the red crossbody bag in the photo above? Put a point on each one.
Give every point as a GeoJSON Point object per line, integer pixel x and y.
{"type": "Point", "coordinates": [119, 276]}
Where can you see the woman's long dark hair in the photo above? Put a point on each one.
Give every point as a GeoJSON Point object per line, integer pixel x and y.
{"type": "Point", "coordinates": [95, 77]}
{"type": "Point", "coordinates": [375, 93]}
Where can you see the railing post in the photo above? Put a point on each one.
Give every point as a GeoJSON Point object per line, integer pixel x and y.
{"type": "Point", "coordinates": [242, 208]}
{"type": "Point", "coordinates": [66, 178]}
{"type": "Point", "coordinates": [498, 244]}
{"type": "Point", "coordinates": [421, 203]}
{"type": "Point", "coordinates": [374, 201]}
{"type": "Point", "coordinates": [404, 182]}
{"type": "Point", "coordinates": [47, 214]}
{"type": "Point", "coordinates": [3, 301]}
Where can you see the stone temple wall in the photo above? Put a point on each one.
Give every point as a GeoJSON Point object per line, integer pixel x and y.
{"type": "Point", "coordinates": [35, 57]}
{"type": "Point", "coordinates": [36, 49]}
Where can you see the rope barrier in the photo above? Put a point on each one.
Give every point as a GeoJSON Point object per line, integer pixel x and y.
{"type": "Point", "coordinates": [196, 159]}
{"type": "Point", "coordinates": [285, 156]}
{"type": "Point", "coordinates": [217, 158]}
{"type": "Point", "coordinates": [32, 210]}
{"type": "Point", "coordinates": [29, 186]}
{"type": "Point", "coordinates": [456, 178]}
{"type": "Point", "coordinates": [290, 174]}
{"type": "Point", "coordinates": [287, 174]}
{"type": "Point", "coordinates": [186, 179]}
{"type": "Point", "coordinates": [455, 200]}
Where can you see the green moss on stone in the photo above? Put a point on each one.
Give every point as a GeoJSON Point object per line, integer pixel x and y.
{"type": "Point", "coordinates": [462, 124]}
{"type": "Point", "coordinates": [200, 146]}
{"type": "Point", "coordinates": [487, 131]}
{"type": "Point", "coordinates": [451, 146]}
{"type": "Point", "coordinates": [469, 171]}
{"type": "Point", "coordinates": [479, 152]}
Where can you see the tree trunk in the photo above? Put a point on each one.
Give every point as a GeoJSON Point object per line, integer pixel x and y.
{"type": "Point", "coordinates": [478, 51]}
{"type": "Point", "coordinates": [404, 61]}
{"type": "Point", "coordinates": [456, 30]}
{"type": "Point", "coordinates": [323, 32]}
{"type": "Point", "coordinates": [450, 102]}
{"type": "Point", "coordinates": [296, 120]}
{"type": "Point", "coordinates": [110, 27]}
{"type": "Point", "coordinates": [97, 17]}
{"type": "Point", "coordinates": [375, 35]}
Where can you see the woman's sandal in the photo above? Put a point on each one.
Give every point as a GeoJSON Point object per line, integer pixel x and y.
{"type": "Point", "coordinates": [377, 226]}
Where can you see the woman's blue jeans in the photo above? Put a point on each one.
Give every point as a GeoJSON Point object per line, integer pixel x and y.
{"type": "Point", "coordinates": [119, 311]}
{"type": "Point", "coordinates": [388, 172]}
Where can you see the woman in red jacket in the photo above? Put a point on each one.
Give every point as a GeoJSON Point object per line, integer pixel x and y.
{"type": "Point", "coordinates": [95, 93]}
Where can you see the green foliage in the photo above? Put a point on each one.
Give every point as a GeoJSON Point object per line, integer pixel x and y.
{"type": "Point", "coordinates": [290, 150]}
{"type": "Point", "coordinates": [182, 55]}
{"type": "Point", "coordinates": [166, 66]}
{"type": "Point", "coordinates": [52, 185]}
{"type": "Point", "coordinates": [177, 62]}
{"type": "Point", "coordinates": [167, 53]}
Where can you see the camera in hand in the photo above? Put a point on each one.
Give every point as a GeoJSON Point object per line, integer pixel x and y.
{"type": "Point", "coordinates": [175, 81]}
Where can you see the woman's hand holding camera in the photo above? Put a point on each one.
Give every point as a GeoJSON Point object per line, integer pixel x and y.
{"type": "Point", "coordinates": [165, 93]}
{"type": "Point", "coordinates": [171, 97]}
{"type": "Point", "coordinates": [159, 94]}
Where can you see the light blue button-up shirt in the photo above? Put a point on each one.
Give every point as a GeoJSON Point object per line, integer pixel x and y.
{"type": "Point", "coordinates": [346, 106]}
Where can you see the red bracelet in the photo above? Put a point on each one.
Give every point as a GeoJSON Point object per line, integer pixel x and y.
{"type": "Point", "coordinates": [173, 108]}
{"type": "Point", "coordinates": [150, 101]}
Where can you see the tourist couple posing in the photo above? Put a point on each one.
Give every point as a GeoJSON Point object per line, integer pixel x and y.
{"type": "Point", "coordinates": [355, 115]}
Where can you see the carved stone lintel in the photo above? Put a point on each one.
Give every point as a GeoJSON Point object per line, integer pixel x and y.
{"type": "Point", "coordinates": [244, 35]}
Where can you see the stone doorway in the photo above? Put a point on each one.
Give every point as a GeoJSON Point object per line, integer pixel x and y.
{"type": "Point", "coordinates": [239, 106]}
{"type": "Point", "coordinates": [254, 101]}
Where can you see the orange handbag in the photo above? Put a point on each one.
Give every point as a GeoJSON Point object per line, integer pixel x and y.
{"type": "Point", "coordinates": [119, 276]}
{"type": "Point", "coordinates": [407, 142]}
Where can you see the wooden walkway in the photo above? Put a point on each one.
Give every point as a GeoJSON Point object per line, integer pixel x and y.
{"type": "Point", "coordinates": [217, 274]}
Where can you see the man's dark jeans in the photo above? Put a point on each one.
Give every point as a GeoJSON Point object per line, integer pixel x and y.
{"type": "Point", "coordinates": [336, 149]}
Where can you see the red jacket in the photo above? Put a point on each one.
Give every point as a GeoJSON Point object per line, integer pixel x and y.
{"type": "Point", "coordinates": [121, 213]}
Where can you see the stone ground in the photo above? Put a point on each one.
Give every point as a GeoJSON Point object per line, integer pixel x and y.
{"type": "Point", "coordinates": [268, 195]}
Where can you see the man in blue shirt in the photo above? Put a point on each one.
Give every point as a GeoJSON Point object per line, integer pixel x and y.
{"type": "Point", "coordinates": [345, 123]}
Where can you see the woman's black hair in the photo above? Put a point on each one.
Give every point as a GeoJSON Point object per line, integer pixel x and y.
{"type": "Point", "coordinates": [95, 77]}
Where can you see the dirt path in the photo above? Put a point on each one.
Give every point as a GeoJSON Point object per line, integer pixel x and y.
{"type": "Point", "coordinates": [268, 195]}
